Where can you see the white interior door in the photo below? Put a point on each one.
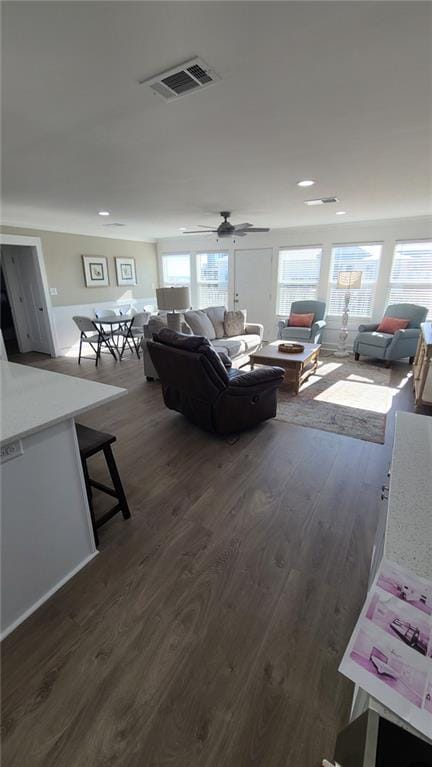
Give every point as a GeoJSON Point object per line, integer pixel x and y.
{"type": "Point", "coordinates": [27, 298]}
{"type": "Point", "coordinates": [253, 288]}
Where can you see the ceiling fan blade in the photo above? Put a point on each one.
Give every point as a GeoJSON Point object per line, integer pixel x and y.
{"type": "Point", "coordinates": [199, 231]}
{"type": "Point", "coordinates": [258, 229]}
{"type": "Point", "coordinates": [203, 226]}
{"type": "Point", "coordinates": [239, 227]}
{"type": "Point", "coordinates": [240, 233]}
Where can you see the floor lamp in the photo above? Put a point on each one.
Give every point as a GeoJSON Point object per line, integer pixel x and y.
{"type": "Point", "coordinates": [173, 300]}
{"type": "Point", "coordinates": [347, 281]}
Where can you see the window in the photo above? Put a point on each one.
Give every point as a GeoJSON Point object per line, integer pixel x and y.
{"type": "Point", "coordinates": [212, 279]}
{"type": "Point", "coordinates": [298, 275]}
{"type": "Point", "coordinates": [176, 269]}
{"type": "Point", "coordinates": [411, 274]}
{"type": "Point", "coordinates": [362, 258]}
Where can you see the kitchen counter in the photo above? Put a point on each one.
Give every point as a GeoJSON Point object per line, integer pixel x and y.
{"type": "Point", "coordinates": [404, 534]}
{"type": "Point", "coordinates": [47, 535]}
{"type": "Point", "coordinates": [408, 535]}
{"type": "Point", "coordinates": [34, 399]}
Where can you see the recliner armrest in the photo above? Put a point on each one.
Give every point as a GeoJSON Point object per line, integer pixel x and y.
{"type": "Point", "coordinates": [407, 333]}
{"type": "Point", "coordinates": [254, 328]}
{"type": "Point", "coordinates": [260, 376]}
{"type": "Point", "coordinates": [319, 324]}
{"type": "Point", "coordinates": [369, 328]}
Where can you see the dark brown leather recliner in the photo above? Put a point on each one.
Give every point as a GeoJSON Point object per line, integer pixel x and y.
{"type": "Point", "coordinates": [196, 382]}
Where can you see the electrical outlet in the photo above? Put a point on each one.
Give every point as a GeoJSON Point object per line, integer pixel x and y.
{"type": "Point", "coordinates": [12, 450]}
{"type": "Point", "coordinates": [53, 291]}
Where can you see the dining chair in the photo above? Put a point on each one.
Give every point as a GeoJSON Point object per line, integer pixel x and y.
{"type": "Point", "coordinates": [90, 334]}
{"type": "Point", "coordinates": [101, 313]}
{"type": "Point", "coordinates": [134, 334]}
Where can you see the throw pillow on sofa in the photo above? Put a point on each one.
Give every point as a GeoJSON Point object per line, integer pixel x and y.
{"type": "Point", "coordinates": [200, 324]}
{"type": "Point", "coordinates": [391, 325]}
{"type": "Point", "coordinates": [216, 315]}
{"type": "Point", "coordinates": [234, 323]}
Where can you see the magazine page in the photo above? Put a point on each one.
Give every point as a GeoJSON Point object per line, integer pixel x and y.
{"type": "Point", "coordinates": [390, 651]}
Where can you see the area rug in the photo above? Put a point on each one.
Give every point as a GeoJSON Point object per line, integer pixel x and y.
{"type": "Point", "coordinates": [344, 396]}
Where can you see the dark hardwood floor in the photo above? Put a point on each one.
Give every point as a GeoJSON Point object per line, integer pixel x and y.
{"type": "Point", "coordinates": [209, 630]}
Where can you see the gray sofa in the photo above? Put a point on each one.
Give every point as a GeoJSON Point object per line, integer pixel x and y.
{"type": "Point", "coordinates": [211, 326]}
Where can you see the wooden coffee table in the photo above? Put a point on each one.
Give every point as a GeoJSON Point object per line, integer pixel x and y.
{"type": "Point", "coordinates": [297, 366]}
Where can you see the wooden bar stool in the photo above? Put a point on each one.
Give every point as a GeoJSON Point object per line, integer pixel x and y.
{"type": "Point", "coordinates": [90, 442]}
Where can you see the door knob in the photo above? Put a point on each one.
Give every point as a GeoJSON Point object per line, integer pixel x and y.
{"type": "Point", "coordinates": [41, 309]}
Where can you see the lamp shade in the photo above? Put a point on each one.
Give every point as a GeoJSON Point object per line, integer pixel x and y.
{"type": "Point", "coordinates": [173, 298]}
{"type": "Point", "coordinates": [349, 280]}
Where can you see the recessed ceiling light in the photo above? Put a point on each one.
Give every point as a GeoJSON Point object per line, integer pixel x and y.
{"type": "Point", "coordinates": [341, 212]}
{"type": "Point", "coordinates": [103, 212]}
{"type": "Point", "coordinates": [306, 182]}
{"type": "Point", "coordinates": [183, 229]}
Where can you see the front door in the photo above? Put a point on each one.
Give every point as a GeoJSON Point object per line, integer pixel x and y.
{"type": "Point", "coordinates": [253, 287]}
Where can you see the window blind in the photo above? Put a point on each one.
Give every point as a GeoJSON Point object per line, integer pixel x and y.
{"type": "Point", "coordinates": [363, 258]}
{"type": "Point", "coordinates": [212, 279]}
{"type": "Point", "coordinates": [298, 276]}
{"type": "Point", "coordinates": [411, 274]}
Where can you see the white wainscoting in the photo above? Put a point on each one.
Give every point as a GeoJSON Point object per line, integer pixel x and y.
{"type": "Point", "coordinates": [66, 330]}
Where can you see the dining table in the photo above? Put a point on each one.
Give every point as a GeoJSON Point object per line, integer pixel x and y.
{"type": "Point", "coordinates": [122, 323]}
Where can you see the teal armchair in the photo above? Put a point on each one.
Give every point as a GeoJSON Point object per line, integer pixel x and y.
{"type": "Point", "coordinates": [312, 335]}
{"type": "Point", "coordinates": [395, 346]}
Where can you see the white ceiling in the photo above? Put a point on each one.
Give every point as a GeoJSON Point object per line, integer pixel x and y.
{"type": "Point", "coordinates": [336, 91]}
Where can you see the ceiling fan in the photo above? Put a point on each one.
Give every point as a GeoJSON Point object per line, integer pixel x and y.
{"type": "Point", "coordinates": [226, 229]}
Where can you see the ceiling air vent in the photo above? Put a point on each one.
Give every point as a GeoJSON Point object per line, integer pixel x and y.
{"type": "Point", "coordinates": [193, 75]}
{"type": "Point", "coordinates": [321, 201]}
{"type": "Point", "coordinates": [115, 223]}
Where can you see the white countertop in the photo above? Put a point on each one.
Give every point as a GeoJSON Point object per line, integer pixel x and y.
{"type": "Point", "coordinates": [34, 399]}
{"type": "Point", "coordinates": [408, 538]}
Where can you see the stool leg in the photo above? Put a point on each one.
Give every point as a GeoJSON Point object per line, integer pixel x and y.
{"type": "Point", "coordinates": [115, 476]}
{"type": "Point", "coordinates": [90, 501]}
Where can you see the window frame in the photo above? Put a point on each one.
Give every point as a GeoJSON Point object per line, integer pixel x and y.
{"type": "Point", "coordinates": [317, 246]}
{"type": "Point", "coordinates": [332, 283]}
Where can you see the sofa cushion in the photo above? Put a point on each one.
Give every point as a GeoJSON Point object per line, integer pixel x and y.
{"type": "Point", "coordinates": [296, 333]}
{"type": "Point", "coordinates": [374, 338]}
{"type": "Point", "coordinates": [231, 346]}
{"type": "Point", "coordinates": [216, 315]}
{"type": "Point", "coordinates": [234, 323]}
{"type": "Point", "coordinates": [248, 342]}
{"type": "Point", "coordinates": [200, 324]}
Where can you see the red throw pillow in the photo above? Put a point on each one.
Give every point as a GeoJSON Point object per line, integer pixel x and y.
{"type": "Point", "coordinates": [391, 325]}
{"type": "Point", "coordinates": [301, 320]}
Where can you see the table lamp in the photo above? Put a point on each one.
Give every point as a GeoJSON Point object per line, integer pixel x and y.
{"type": "Point", "coordinates": [347, 281]}
{"type": "Point", "coordinates": [173, 300]}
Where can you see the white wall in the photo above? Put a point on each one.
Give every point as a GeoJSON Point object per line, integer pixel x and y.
{"type": "Point", "coordinates": [387, 232]}
{"type": "Point", "coordinates": [68, 333]}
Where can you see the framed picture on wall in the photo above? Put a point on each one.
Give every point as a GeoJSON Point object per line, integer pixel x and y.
{"type": "Point", "coordinates": [95, 271]}
{"type": "Point", "coordinates": [126, 272]}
